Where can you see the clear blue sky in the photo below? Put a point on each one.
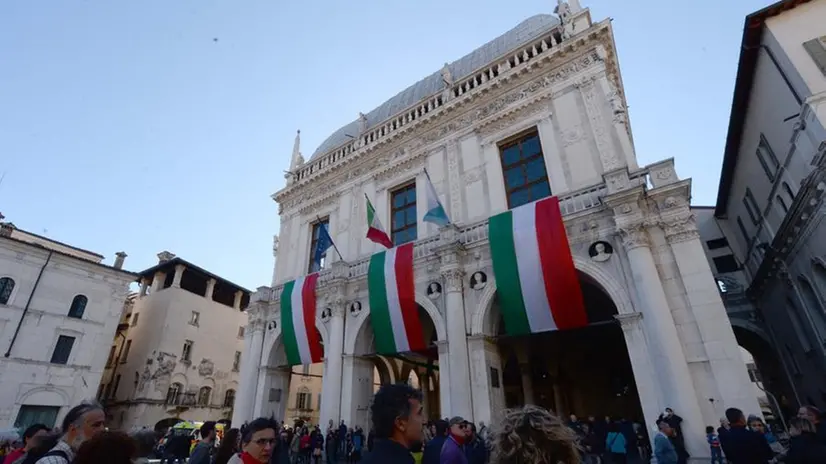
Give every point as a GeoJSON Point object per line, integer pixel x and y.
{"type": "Point", "coordinates": [125, 126]}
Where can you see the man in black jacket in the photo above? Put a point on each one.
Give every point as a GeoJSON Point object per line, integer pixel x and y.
{"type": "Point", "coordinates": [397, 419]}
{"type": "Point", "coordinates": [434, 447]}
{"type": "Point", "coordinates": [741, 445]}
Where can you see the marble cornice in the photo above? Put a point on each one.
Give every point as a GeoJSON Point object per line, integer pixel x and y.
{"type": "Point", "coordinates": [418, 138]}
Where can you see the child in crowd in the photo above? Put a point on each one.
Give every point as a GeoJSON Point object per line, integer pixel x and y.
{"type": "Point", "coordinates": [714, 444]}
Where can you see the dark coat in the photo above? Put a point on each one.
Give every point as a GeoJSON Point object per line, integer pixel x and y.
{"type": "Point", "coordinates": [743, 446]}
{"type": "Point", "coordinates": [388, 451]}
{"type": "Point", "coordinates": [805, 449]}
{"type": "Point", "coordinates": [476, 451]}
{"type": "Point", "coordinates": [432, 450]}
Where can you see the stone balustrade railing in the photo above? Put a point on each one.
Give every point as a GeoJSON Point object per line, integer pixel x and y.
{"type": "Point", "coordinates": [526, 56]}
{"type": "Point", "coordinates": [477, 232]}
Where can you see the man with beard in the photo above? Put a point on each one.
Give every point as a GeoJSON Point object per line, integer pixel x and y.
{"type": "Point", "coordinates": [81, 423]}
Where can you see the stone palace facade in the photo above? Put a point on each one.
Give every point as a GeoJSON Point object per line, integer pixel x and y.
{"type": "Point", "coordinates": [549, 91]}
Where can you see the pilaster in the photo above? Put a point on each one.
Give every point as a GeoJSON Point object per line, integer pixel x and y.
{"type": "Point", "coordinates": [179, 273]}
{"type": "Point", "coordinates": [331, 386]}
{"type": "Point", "coordinates": [210, 288]}
{"type": "Point", "coordinates": [249, 388]}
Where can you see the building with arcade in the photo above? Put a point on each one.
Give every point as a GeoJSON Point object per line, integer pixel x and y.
{"type": "Point", "coordinates": [537, 112]}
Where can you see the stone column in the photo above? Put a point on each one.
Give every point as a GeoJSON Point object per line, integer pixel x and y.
{"type": "Point", "coordinates": [331, 382]}
{"type": "Point", "coordinates": [250, 360]}
{"type": "Point", "coordinates": [677, 385]}
{"type": "Point", "coordinates": [144, 286]}
{"type": "Point", "coordinates": [357, 390]}
{"type": "Point", "coordinates": [210, 289]}
{"type": "Point", "coordinates": [157, 281]}
{"type": "Point", "coordinates": [444, 380]}
{"type": "Point", "coordinates": [525, 371]}
{"type": "Point", "coordinates": [648, 389]}
{"type": "Point", "coordinates": [239, 294]}
{"type": "Point", "coordinates": [179, 273]}
{"type": "Point", "coordinates": [732, 379]}
{"type": "Point", "coordinates": [453, 275]}
{"type": "Point", "coordinates": [424, 383]}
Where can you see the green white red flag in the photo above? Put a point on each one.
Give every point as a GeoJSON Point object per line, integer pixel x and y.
{"type": "Point", "coordinates": [298, 331]}
{"type": "Point", "coordinates": [393, 309]}
{"type": "Point", "coordinates": [536, 281]}
{"type": "Point", "coordinates": [375, 231]}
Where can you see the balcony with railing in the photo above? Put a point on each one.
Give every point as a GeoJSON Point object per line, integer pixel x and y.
{"type": "Point", "coordinates": [482, 80]}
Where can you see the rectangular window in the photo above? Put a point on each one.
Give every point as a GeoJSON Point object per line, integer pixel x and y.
{"type": "Point", "coordinates": [115, 388]}
{"type": "Point", "coordinates": [111, 358]}
{"type": "Point", "coordinates": [195, 318]}
{"type": "Point", "coordinates": [236, 362]}
{"type": "Point", "coordinates": [523, 167]}
{"type": "Point", "coordinates": [717, 243]}
{"type": "Point", "coordinates": [751, 206]}
{"type": "Point", "coordinates": [817, 50]}
{"type": "Point", "coordinates": [63, 349]}
{"type": "Point", "coordinates": [30, 415]}
{"type": "Point", "coordinates": [314, 266]}
{"type": "Point", "coordinates": [744, 232]}
{"type": "Point", "coordinates": [135, 319]}
{"type": "Point", "coordinates": [241, 332]}
{"type": "Point", "coordinates": [768, 161]}
{"type": "Point", "coordinates": [494, 377]}
{"type": "Point", "coordinates": [725, 263]}
{"type": "Point", "coordinates": [302, 400]}
{"type": "Point", "coordinates": [186, 353]}
{"type": "Point", "coordinates": [403, 214]}
{"type": "Point", "coordinates": [125, 354]}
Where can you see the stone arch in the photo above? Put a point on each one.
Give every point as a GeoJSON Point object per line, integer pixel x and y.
{"type": "Point", "coordinates": [45, 396]}
{"type": "Point", "coordinates": [274, 351]}
{"type": "Point", "coordinates": [386, 369]}
{"type": "Point", "coordinates": [351, 335]}
{"type": "Point", "coordinates": [208, 382]}
{"type": "Point", "coordinates": [179, 378]}
{"type": "Point", "coordinates": [609, 284]}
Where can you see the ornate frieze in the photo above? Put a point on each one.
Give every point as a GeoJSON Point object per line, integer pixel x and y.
{"type": "Point", "coordinates": [452, 153]}
{"type": "Point", "coordinates": [593, 109]}
{"type": "Point", "coordinates": [301, 195]}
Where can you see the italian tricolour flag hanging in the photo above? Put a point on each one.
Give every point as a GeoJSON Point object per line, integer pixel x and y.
{"type": "Point", "coordinates": [536, 281]}
{"type": "Point", "coordinates": [299, 334]}
{"type": "Point", "coordinates": [393, 309]}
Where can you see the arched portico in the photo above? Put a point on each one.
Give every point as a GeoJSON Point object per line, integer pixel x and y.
{"type": "Point", "coordinates": [360, 361]}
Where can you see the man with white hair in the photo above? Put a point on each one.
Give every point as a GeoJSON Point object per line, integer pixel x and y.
{"type": "Point", "coordinates": [81, 423]}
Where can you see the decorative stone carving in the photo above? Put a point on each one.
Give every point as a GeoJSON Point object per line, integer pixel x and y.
{"type": "Point", "coordinates": [145, 377]}
{"type": "Point", "coordinates": [516, 116]}
{"type": "Point", "coordinates": [206, 367]}
{"type": "Point", "coordinates": [680, 228]}
{"type": "Point", "coordinates": [617, 106]}
{"type": "Point", "coordinates": [453, 279]}
{"type": "Point", "coordinates": [272, 325]}
{"type": "Point", "coordinates": [617, 181]}
{"type": "Point", "coordinates": [298, 194]}
{"type": "Point", "coordinates": [355, 308]}
{"type": "Point", "coordinates": [452, 153]}
{"type": "Point", "coordinates": [629, 321]}
{"type": "Point", "coordinates": [600, 251]}
{"type": "Point", "coordinates": [572, 135]}
{"type": "Point", "coordinates": [362, 123]}
{"type": "Point", "coordinates": [478, 280]}
{"type": "Point", "coordinates": [447, 77]}
{"type": "Point", "coordinates": [594, 111]}
{"type": "Point", "coordinates": [326, 314]}
{"type": "Point", "coordinates": [473, 175]}
{"type": "Point", "coordinates": [633, 236]}
{"type": "Point", "coordinates": [434, 290]}
{"type": "Point", "coordinates": [275, 245]}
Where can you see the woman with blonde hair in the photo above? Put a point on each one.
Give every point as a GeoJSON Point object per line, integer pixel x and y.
{"type": "Point", "coordinates": [532, 435]}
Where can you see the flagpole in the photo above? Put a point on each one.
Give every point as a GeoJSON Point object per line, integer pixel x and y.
{"type": "Point", "coordinates": [331, 240]}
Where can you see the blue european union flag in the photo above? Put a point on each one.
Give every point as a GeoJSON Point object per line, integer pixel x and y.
{"type": "Point", "coordinates": [323, 244]}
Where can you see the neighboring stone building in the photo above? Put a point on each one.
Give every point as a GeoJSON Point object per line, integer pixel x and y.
{"type": "Point", "coordinates": [180, 355]}
{"type": "Point", "coordinates": [770, 201]}
{"type": "Point", "coordinates": [545, 100]}
{"type": "Point", "coordinates": [59, 307]}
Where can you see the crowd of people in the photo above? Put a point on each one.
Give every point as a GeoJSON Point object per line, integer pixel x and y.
{"type": "Point", "coordinates": [400, 435]}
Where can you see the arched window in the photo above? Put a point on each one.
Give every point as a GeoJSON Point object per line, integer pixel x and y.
{"type": "Point", "coordinates": [78, 306]}
{"type": "Point", "coordinates": [229, 398]}
{"type": "Point", "coordinates": [173, 395]}
{"type": "Point", "coordinates": [814, 307]}
{"type": "Point", "coordinates": [6, 286]}
{"type": "Point", "coordinates": [203, 396]}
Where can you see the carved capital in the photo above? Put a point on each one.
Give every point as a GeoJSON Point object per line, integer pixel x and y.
{"type": "Point", "coordinates": [680, 228]}
{"type": "Point", "coordinates": [633, 236]}
{"type": "Point", "coordinates": [629, 321]}
{"type": "Point", "coordinates": [453, 279]}
{"type": "Point", "coordinates": [442, 345]}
